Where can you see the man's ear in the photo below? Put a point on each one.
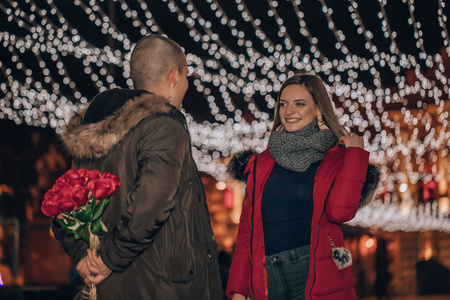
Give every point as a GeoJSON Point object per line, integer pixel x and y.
{"type": "Point", "coordinates": [173, 77]}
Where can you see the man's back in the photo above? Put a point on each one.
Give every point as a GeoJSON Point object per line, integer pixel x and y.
{"type": "Point", "coordinates": [159, 241]}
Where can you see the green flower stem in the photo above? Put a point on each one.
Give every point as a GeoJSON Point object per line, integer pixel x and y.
{"type": "Point", "coordinates": [70, 217]}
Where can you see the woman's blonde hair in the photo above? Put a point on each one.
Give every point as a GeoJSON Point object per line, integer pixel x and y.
{"type": "Point", "coordinates": [320, 95]}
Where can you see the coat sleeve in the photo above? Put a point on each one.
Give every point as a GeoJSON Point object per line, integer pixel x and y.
{"type": "Point", "coordinates": [345, 194]}
{"type": "Point", "coordinates": [160, 155]}
{"type": "Point", "coordinates": [76, 249]}
{"type": "Point", "coordinates": [240, 266]}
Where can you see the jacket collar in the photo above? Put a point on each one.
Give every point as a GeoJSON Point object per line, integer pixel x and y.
{"type": "Point", "coordinates": [95, 140]}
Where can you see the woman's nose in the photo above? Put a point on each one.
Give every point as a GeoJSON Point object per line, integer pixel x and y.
{"type": "Point", "coordinates": [289, 110]}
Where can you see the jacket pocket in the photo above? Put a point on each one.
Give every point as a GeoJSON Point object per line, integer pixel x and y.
{"type": "Point", "coordinates": [186, 267]}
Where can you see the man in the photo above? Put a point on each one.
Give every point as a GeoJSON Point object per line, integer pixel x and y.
{"type": "Point", "coordinates": [159, 243]}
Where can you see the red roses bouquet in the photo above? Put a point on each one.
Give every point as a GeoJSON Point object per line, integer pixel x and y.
{"type": "Point", "coordinates": [77, 201]}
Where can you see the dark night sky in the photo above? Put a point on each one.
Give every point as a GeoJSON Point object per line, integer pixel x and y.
{"type": "Point", "coordinates": [195, 103]}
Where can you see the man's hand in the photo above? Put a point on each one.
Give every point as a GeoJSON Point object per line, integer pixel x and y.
{"type": "Point", "coordinates": [82, 269]}
{"type": "Point", "coordinates": [96, 266]}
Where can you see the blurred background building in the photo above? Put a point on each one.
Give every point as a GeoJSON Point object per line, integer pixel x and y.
{"type": "Point", "coordinates": [386, 63]}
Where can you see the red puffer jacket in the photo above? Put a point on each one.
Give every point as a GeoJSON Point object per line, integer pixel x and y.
{"type": "Point", "coordinates": [337, 192]}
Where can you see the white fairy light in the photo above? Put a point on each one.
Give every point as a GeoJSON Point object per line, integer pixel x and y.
{"type": "Point", "coordinates": [390, 217]}
{"type": "Point", "coordinates": [248, 66]}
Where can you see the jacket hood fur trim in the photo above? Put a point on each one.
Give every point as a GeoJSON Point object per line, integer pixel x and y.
{"type": "Point", "coordinates": [370, 185]}
{"type": "Point", "coordinates": [236, 169]}
{"type": "Point", "coordinates": [95, 140]}
{"type": "Point", "coordinates": [238, 163]}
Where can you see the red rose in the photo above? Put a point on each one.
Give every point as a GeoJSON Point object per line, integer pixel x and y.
{"type": "Point", "coordinates": [100, 188]}
{"type": "Point", "coordinates": [92, 175]}
{"type": "Point", "coordinates": [113, 181]}
{"type": "Point", "coordinates": [50, 205]}
{"type": "Point", "coordinates": [59, 185]}
{"type": "Point", "coordinates": [79, 195]}
{"type": "Point", "coordinates": [105, 186]}
{"type": "Point", "coordinates": [64, 196]}
{"type": "Point", "coordinates": [61, 180]}
{"type": "Point", "coordinates": [71, 191]}
{"type": "Point", "coordinates": [57, 200]}
{"type": "Point", "coordinates": [60, 196]}
{"type": "Point", "coordinates": [73, 177]}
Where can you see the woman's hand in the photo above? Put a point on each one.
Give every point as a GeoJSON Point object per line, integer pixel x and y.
{"type": "Point", "coordinates": [351, 140]}
{"type": "Point", "coordinates": [238, 297]}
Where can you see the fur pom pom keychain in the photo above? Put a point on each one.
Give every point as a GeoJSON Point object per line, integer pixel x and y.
{"type": "Point", "coordinates": [341, 256]}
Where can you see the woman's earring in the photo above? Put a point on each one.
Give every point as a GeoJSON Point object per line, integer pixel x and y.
{"type": "Point", "coordinates": [280, 128]}
{"type": "Point", "coordinates": [320, 122]}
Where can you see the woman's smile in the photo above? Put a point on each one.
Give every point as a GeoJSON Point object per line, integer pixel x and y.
{"type": "Point", "coordinates": [297, 107]}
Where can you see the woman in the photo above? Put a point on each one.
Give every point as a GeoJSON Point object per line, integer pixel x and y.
{"type": "Point", "coordinates": [299, 191]}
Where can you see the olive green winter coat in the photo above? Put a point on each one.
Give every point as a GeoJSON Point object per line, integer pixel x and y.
{"type": "Point", "coordinates": [159, 243]}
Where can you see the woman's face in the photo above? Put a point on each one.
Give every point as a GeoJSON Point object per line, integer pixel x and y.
{"type": "Point", "coordinates": [297, 108]}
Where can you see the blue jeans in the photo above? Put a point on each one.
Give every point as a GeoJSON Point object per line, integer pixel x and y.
{"type": "Point", "coordinates": [287, 273]}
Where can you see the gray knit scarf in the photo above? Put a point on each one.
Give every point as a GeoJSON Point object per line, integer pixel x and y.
{"type": "Point", "coordinates": [296, 151]}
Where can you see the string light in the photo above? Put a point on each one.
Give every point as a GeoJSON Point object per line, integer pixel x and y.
{"type": "Point", "coordinates": [392, 217]}
{"type": "Point", "coordinates": [249, 66]}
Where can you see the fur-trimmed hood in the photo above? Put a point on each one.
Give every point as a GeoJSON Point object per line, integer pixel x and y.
{"type": "Point", "coordinates": [238, 163]}
{"type": "Point", "coordinates": [86, 141]}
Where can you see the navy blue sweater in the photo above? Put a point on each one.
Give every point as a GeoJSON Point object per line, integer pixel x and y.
{"type": "Point", "coordinates": [287, 207]}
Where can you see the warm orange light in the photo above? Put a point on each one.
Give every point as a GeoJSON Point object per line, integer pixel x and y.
{"type": "Point", "coordinates": [444, 205]}
{"type": "Point", "coordinates": [235, 216]}
{"type": "Point", "coordinates": [228, 243]}
{"type": "Point", "coordinates": [221, 185]}
{"type": "Point", "coordinates": [428, 253]}
{"type": "Point", "coordinates": [369, 243]}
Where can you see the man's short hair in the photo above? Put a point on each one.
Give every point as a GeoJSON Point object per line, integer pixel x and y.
{"type": "Point", "coordinates": [152, 58]}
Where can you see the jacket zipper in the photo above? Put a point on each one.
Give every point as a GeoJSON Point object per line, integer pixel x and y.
{"type": "Point", "coordinates": [318, 236]}
{"type": "Point", "coordinates": [315, 249]}
{"type": "Point", "coordinates": [251, 234]}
